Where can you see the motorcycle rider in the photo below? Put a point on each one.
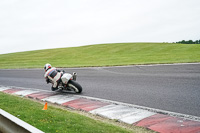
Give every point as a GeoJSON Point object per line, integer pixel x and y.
{"type": "Point", "coordinates": [52, 75]}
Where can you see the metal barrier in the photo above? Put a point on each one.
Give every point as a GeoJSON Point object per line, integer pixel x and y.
{"type": "Point", "coordinates": [12, 124]}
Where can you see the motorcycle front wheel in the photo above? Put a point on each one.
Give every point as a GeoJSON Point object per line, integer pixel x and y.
{"type": "Point", "coordinates": [73, 85]}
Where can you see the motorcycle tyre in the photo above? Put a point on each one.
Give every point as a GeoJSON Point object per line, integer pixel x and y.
{"type": "Point", "coordinates": [77, 88]}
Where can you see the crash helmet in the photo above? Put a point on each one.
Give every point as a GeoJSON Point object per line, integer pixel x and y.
{"type": "Point", "coordinates": [47, 66]}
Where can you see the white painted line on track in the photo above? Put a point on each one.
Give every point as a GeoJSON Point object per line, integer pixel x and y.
{"type": "Point", "coordinates": [135, 117]}
{"type": "Point", "coordinates": [102, 109]}
{"type": "Point", "coordinates": [25, 92]}
{"type": "Point", "coordinates": [2, 88]}
{"type": "Point", "coordinates": [122, 113]}
{"type": "Point", "coordinates": [115, 111]}
{"type": "Point", "coordinates": [59, 99]}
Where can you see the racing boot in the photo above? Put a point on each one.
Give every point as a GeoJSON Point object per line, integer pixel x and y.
{"type": "Point", "coordinates": [53, 89]}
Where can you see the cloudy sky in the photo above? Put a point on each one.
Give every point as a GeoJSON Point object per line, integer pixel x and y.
{"type": "Point", "coordinates": [42, 24]}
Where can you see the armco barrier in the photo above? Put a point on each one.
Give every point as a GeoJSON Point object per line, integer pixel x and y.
{"type": "Point", "coordinates": [12, 124]}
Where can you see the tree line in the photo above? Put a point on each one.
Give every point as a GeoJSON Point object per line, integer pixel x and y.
{"type": "Point", "coordinates": [189, 42]}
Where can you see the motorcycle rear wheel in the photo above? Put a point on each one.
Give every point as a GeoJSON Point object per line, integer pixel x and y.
{"type": "Point", "coordinates": [75, 86]}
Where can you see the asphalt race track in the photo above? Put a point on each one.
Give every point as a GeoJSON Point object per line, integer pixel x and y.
{"type": "Point", "coordinates": [173, 88]}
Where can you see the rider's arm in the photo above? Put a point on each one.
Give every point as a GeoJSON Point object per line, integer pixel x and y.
{"type": "Point", "coordinates": [60, 71]}
{"type": "Point", "coordinates": [47, 80]}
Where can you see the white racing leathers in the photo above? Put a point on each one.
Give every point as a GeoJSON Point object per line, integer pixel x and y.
{"type": "Point", "coordinates": [54, 76]}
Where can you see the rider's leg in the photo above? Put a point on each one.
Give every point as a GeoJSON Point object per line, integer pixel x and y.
{"type": "Point", "coordinates": [54, 86]}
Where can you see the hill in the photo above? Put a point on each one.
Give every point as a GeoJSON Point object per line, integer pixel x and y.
{"type": "Point", "coordinates": [104, 55]}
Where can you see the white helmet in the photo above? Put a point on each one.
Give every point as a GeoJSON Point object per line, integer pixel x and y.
{"type": "Point", "coordinates": [47, 66]}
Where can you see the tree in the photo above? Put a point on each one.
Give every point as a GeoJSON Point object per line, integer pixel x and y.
{"type": "Point", "coordinates": [190, 42]}
{"type": "Point", "coordinates": [183, 41]}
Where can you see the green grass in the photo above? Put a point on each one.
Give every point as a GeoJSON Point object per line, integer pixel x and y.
{"type": "Point", "coordinates": [56, 120]}
{"type": "Point", "coordinates": [104, 55]}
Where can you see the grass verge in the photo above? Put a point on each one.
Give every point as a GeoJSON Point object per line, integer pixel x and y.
{"type": "Point", "coordinates": [104, 55]}
{"type": "Point", "coordinates": [57, 120]}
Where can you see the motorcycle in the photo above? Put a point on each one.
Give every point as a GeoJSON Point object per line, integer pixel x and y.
{"type": "Point", "coordinates": [68, 83]}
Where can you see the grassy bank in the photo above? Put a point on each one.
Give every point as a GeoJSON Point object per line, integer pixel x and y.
{"type": "Point", "coordinates": [56, 120]}
{"type": "Point", "coordinates": [104, 55]}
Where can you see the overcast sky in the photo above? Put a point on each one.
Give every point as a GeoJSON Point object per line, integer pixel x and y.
{"type": "Point", "coordinates": [42, 24]}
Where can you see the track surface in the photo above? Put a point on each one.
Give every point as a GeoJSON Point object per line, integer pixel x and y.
{"type": "Point", "coordinates": [173, 88]}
